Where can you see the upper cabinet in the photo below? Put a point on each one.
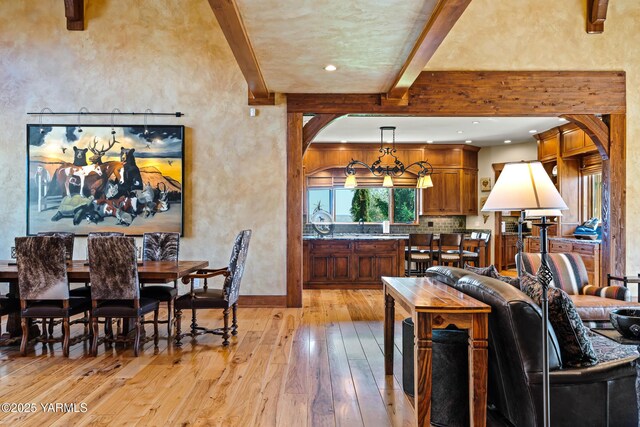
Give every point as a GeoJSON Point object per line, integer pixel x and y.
{"type": "Point", "coordinates": [548, 143]}
{"type": "Point", "coordinates": [575, 142]}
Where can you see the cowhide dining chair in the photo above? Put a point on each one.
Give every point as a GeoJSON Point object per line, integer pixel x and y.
{"type": "Point", "coordinates": [115, 290]}
{"type": "Point", "coordinates": [161, 247]}
{"type": "Point", "coordinates": [225, 298]}
{"type": "Point", "coordinates": [44, 288]}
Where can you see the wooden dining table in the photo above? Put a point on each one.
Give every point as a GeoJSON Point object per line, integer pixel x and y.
{"type": "Point", "coordinates": [78, 271]}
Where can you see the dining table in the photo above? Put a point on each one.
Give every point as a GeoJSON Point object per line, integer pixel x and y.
{"type": "Point", "coordinates": [78, 271]}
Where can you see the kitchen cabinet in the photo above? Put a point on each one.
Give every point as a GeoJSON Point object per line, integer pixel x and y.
{"type": "Point", "coordinates": [454, 192]}
{"type": "Point", "coordinates": [589, 252]}
{"type": "Point", "coordinates": [575, 142]}
{"type": "Point", "coordinates": [509, 251]}
{"type": "Point", "coordinates": [351, 264]}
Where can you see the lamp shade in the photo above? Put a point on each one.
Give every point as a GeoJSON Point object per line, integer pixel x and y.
{"type": "Point", "coordinates": [388, 182]}
{"type": "Point", "coordinates": [539, 213]}
{"type": "Point", "coordinates": [350, 182]}
{"type": "Point", "coordinates": [424, 182]}
{"type": "Point", "coordinates": [522, 186]}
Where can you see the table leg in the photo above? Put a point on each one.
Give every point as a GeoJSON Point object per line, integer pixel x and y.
{"type": "Point", "coordinates": [389, 323]}
{"type": "Point", "coordinates": [422, 367]}
{"type": "Point", "coordinates": [478, 368]}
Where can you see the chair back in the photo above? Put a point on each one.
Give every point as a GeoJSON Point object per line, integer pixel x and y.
{"type": "Point", "coordinates": [420, 240]}
{"type": "Point", "coordinates": [236, 267]}
{"type": "Point", "coordinates": [42, 269]}
{"type": "Point", "coordinates": [113, 269]}
{"type": "Point", "coordinates": [451, 241]}
{"type": "Point", "coordinates": [68, 238]}
{"type": "Point", "coordinates": [568, 270]}
{"type": "Point", "coordinates": [485, 236]}
{"type": "Point", "coordinates": [160, 246]}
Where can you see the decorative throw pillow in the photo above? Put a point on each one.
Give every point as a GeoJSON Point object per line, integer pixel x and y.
{"type": "Point", "coordinates": [575, 345]}
{"type": "Point", "coordinates": [492, 271]}
{"type": "Point", "coordinates": [483, 271]}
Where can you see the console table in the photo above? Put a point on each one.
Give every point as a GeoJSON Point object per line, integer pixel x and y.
{"type": "Point", "coordinates": [434, 305]}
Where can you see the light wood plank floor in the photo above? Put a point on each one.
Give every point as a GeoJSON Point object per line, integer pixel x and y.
{"type": "Point", "coordinates": [317, 366]}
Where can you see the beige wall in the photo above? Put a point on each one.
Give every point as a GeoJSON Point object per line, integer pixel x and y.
{"type": "Point", "coordinates": [167, 56]}
{"type": "Point", "coordinates": [550, 35]}
{"type": "Point", "coordinates": [486, 157]}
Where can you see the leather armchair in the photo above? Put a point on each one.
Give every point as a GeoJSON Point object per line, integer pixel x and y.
{"type": "Point", "coordinates": [599, 395]}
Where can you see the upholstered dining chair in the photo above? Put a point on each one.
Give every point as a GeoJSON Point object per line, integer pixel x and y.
{"type": "Point", "coordinates": [419, 252]}
{"type": "Point", "coordinates": [225, 298]}
{"type": "Point", "coordinates": [115, 290]}
{"type": "Point", "coordinates": [161, 247]}
{"type": "Point", "coordinates": [450, 249]}
{"type": "Point", "coordinates": [44, 288]}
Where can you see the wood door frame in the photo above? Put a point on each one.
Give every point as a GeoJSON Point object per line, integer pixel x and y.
{"type": "Point", "coordinates": [581, 96]}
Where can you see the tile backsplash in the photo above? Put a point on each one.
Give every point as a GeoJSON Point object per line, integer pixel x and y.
{"type": "Point", "coordinates": [428, 224]}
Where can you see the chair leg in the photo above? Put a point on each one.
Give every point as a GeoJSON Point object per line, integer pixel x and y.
{"type": "Point", "coordinates": [51, 327]}
{"type": "Point", "coordinates": [225, 330]}
{"type": "Point", "coordinates": [94, 342]}
{"type": "Point", "coordinates": [136, 341]}
{"type": "Point", "coordinates": [44, 330]}
{"type": "Point", "coordinates": [86, 322]}
{"type": "Point", "coordinates": [169, 309]}
{"type": "Point", "coordinates": [155, 327]}
{"type": "Point", "coordinates": [178, 314]}
{"type": "Point", "coordinates": [25, 336]}
{"type": "Point", "coordinates": [65, 341]}
{"type": "Point", "coordinates": [234, 323]}
{"type": "Point", "coordinates": [194, 321]}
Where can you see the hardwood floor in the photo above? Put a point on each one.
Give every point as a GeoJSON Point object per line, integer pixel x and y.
{"type": "Point", "coordinates": [318, 366]}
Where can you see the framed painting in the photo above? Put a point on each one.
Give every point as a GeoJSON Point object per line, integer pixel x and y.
{"type": "Point", "coordinates": [485, 184]}
{"type": "Point", "coordinates": [91, 178]}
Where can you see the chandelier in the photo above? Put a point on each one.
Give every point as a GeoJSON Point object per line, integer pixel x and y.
{"type": "Point", "coordinates": [387, 168]}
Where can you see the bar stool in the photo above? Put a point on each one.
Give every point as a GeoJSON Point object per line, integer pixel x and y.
{"type": "Point", "coordinates": [450, 249]}
{"type": "Point", "coordinates": [419, 252]}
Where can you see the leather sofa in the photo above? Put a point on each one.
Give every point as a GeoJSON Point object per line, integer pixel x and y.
{"type": "Point", "coordinates": [599, 395]}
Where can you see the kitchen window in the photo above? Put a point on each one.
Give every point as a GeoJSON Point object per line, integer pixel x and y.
{"type": "Point", "coordinates": [372, 205]}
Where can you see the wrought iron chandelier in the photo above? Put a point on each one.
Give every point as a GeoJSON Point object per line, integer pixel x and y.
{"type": "Point", "coordinates": [388, 169]}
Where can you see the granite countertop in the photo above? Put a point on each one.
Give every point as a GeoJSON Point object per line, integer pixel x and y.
{"type": "Point", "coordinates": [348, 236]}
{"type": "Point", "coordinates": [515, 233]}
{"type": "Point", "coordinates": [569, 240]}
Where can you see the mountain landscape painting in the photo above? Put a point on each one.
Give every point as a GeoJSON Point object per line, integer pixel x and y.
{"type": "Point", "coordinates": [91, 178]}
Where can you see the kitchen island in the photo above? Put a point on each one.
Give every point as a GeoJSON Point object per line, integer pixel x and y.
{"type": "Point", "coordinates": [352, 261]}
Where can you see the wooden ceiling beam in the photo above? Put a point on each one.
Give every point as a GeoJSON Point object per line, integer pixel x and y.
{"type": "Point", "coordinates": [74, 12]}
{"type": "Point", "coordinates": [444, 16]}
{"type": "Point", "coordinates": [596, 15]}
{"type": "Point", "coordinates": [314, 126]}
{"type": "Point", "coordinates": [228, 16]}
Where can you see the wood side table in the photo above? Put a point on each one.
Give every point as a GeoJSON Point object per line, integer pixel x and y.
{"type": "Point", "coordinates": [434, 305]}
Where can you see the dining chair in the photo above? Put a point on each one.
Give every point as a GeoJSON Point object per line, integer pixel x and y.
{"type": "Point", "coordinates": [420, 253]}
{"type": "Point", "coordinates": [115, 290]}
{"type": "Point", "coordinates": [450, 249]}
{"type": "Point", "coordinates": [44, 289]}
{"type": "Point", "coordinates": [161, 247]}
{"type": "Point", "coordinates": [472, 255]}
{"type": "Point", "coordinates": [8, 305]}
{"type": "Point", "coordinates": [205, 298]}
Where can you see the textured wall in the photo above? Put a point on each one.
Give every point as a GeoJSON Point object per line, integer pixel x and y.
{"type": "Point", "coordinates": [167, 56]}
{"type": "Point", "coordinates": [550, 35]}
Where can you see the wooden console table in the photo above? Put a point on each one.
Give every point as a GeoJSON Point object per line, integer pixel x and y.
{"type": "Point", "coordinates": [435, 305]}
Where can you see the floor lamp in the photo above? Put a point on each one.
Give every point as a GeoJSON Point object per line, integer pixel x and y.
{"type": "Point", "coordinates": [526, 186]}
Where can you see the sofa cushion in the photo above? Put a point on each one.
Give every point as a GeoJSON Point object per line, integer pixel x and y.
{"type": "Point", "coordinates": [607, 350]}
{"type": "Point", "coordinates": [615, 292]}
{"type": "Point", "coordinates": [575, 345]}
{"type": "Point", "coordinates": [593, 308]}
{"type": "Point", "coordinates": [568, 270]}
{"type": "Point", "coordinates": [447, 275]}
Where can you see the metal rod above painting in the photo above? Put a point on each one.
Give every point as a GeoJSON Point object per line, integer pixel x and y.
{"type": "Point", "coordinates": [87, 113]}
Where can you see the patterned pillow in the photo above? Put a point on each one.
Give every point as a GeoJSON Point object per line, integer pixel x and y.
{"type": "Point", "coordinates": [492, 271]}
{"type": "Point", "coordinates": [575, 345]}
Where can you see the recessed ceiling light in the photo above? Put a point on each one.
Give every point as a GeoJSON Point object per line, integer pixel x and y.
{"type": "Point", "coordinates": [330, 67]}
{"type": "Point", "coordinates": [343, 141]}
{"type": "Point", "coordinates": [475, 122]}
{"type": "Point", "coordinates": [533, 131]}
{"type": "Point", "coordinates": [429, 142]}
{"type": "Point", "coordinates": [459, 131]}
{"type": "Point", "coordinates": [468, 141]}
{"type": "Point", "coordinates": [507, 141]}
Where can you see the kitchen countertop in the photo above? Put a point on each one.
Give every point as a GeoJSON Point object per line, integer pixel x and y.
{"type": "Point", "coordinates": [515, 233]}
{"type": "Point", "coordinates": [569, 240]}
{"type": "Point", "coordinates": [358, 237]}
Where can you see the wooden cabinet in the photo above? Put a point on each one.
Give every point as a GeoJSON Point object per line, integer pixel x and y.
{"type": "Point", "coordinates": [509, 251]}
{"type": "Point", "coordinates": [454, 192]}
{"type": "Point", "coordinates": [575, 141]}
{"type": "Point", "coordinates": [548, 143]}
{"type": "Point", "coordinates": [344, 264]}
{"type": "Point", "coordinates": [589, 252]}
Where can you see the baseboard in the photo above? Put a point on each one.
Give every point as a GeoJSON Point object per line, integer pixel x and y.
{"type": "Point", "coordinates": [262, 301]}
